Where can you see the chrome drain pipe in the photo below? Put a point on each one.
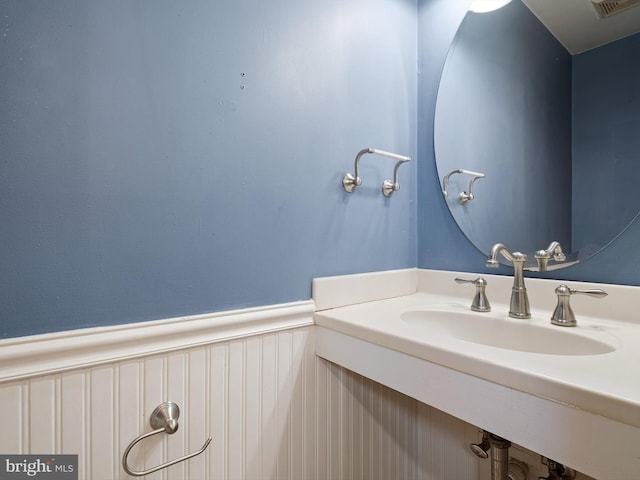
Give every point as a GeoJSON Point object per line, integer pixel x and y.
{"type": "Point", "coordinates": [499, 457]}
{"type": "Point", "coordinates": [499, 454]}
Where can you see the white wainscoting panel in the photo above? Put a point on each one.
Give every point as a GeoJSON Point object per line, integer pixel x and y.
{"type": "Point", "coordinates": [255, 396]}
{"type": "Point", "coordinates": [375, 433]}
{"type": "Point", "coordinates": [274, 410]}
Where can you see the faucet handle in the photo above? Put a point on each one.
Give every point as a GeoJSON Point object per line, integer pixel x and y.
{"type": "Point", "coordinates": [480, 301]}
{"type": "Point", "coordinates": [563, 314]}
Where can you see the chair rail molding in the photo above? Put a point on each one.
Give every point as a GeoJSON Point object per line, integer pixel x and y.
{"type": "Point", "coordinates": [36, 355]}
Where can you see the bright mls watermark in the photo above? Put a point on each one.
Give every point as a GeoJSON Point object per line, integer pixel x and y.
{"type": "Point", "coordinates": [50, 467]}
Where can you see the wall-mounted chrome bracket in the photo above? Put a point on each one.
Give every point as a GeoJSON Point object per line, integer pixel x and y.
{"type": "Point", "coordinates": [387, 187]}
{"type": "Point", "coordinates": [353, 180]}
{"type": "Point", "coordinates": [464, 196]}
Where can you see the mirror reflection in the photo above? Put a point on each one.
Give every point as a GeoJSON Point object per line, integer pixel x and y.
{"type": "Point", "coordinates": [534, 144]}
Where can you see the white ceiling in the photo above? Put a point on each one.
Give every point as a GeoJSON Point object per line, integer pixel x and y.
{"type": "Point", "coordinates": [577, 26]}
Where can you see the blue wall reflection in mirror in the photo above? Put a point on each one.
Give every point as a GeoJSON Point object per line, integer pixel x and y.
{"type": "Point", "coordinates": [441, 245]}
{"type": "Point", "coordinates": [515, 105]}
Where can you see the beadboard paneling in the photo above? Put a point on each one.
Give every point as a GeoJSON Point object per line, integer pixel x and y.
{"type": "Point", "coordinates": [274, 410]}
{"type": "Point", "coordinates": [376, 433]}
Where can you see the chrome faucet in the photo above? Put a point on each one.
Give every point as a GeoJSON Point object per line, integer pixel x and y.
{"type": "Point", "coordinates": [519, 306]}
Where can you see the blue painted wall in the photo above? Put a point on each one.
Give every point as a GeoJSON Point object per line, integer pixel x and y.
{"type": "Point", "coordinates": [504, 109]}
{"type": "Point", "coordinates": [441, 245]}
{"type": "Point", "coordinates": [166, 158]}
{"type": "Point", "coordinates": [139, 180]}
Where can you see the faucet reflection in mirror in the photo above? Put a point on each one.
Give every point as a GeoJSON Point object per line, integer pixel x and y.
{"type": "Point", "coordinates": [543, 256]}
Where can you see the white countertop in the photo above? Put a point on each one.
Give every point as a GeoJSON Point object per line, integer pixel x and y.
{"type": "Point", "coordinates": [604, 384]}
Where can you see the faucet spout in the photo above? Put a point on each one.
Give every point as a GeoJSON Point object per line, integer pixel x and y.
{"type": "Point", "coordinates": [496, 250]}
{"type": "Point", "coordinates": [519, 305]}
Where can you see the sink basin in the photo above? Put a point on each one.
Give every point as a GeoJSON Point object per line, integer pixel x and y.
{"type": "Point", "coordinates": [506, 333]}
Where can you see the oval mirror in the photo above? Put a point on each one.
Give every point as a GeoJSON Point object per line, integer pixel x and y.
{"type": "Point", "coordinates": [535, 144]}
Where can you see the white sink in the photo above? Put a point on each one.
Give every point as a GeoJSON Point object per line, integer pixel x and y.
{"type": "Point", "coordinates": [511, 334]}
{"type": "Point", "coordinates": [539, 385]}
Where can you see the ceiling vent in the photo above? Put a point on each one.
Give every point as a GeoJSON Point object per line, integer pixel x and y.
{"type": "Point", "coordinates": [606, 8]}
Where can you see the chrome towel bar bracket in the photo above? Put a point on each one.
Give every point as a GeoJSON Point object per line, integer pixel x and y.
{"type": "Point", "coordinates": [353, 180]}
{"type": "Point", "coordinates": [163, 419]}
